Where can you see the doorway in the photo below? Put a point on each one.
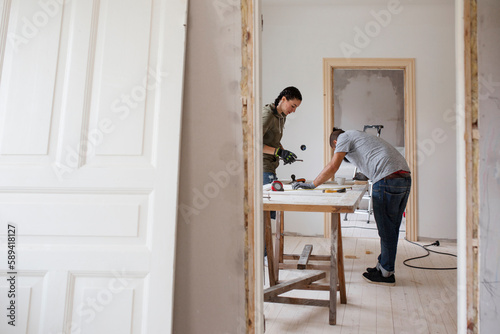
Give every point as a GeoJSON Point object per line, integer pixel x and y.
{"type": "Point", "coordinates": [332, 68]}
{"type": "Point", "coordinates": [302, 56]}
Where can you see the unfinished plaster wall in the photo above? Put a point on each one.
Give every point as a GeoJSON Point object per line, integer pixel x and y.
{"type": "Point", "coordinates": [209, 277]}
{"type": "Point", "coordinates": [370, 97]}
{"type": "Point", "coordinates": [489, 164]}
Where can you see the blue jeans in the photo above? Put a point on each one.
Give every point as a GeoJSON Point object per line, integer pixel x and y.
{"type": "Point", "coordinates": [269, 177]}
{"type": "Point", "coordinates": [389, 202]}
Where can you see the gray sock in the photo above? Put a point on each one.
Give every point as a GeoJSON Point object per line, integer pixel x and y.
{"type": "Point", "coordinates": [384, 272]}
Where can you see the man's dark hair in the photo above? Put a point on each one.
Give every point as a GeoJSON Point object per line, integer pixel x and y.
{"type": "Point", "coordinates": [290, 93]}
{"type": "Point", "coordinates": [335, 134]}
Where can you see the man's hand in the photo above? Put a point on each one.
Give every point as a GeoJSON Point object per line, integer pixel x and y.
{"type": "Point", "coordinates": [287, 156]}
{"type": "Point", "coordinates": [303, 185]}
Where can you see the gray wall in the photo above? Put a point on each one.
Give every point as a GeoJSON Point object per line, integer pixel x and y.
{"type": "Point", "coordinates": [209, 277]}
{"type": "Point", "coordinates": [489, 164]}
{"type": "Point", "coordinates": [371, 97]}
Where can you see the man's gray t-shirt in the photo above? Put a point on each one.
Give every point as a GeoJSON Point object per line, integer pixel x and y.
{"type": "Point", "coordinates": [373, 156]}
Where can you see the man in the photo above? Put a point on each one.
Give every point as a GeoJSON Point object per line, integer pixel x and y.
{"type": "Point", "coordinates": [390, 175]}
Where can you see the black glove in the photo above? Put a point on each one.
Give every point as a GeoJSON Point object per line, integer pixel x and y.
{"type": "Point", "coordinates": [303, 185]}
{"type": "Point", "coordinates": [287, 156]}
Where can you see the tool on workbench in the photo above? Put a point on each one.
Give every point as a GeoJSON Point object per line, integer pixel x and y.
{"type": "Point", "coordinates": [339, 190]}
{"type": "Point", "coordinates": [277, 186]}
{"type": "Point", "coordinates": [293, 161]}
{"type": "Point", "coordinates": [297, 180]}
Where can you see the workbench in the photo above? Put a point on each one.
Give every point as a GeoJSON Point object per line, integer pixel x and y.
{"type": "Point", "coordinates": [307, 200]}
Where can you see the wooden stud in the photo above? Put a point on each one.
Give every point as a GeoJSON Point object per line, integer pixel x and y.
{"type": "Point", "coordinates": [311, 257]}
{"type": "Point", "coordinates": [282, 234]}
{"type": "Point", "coordinates": [269, 247]}
{"type": "Point", "coordinates": [309, 266]}
{"type": "Point", "coordinates": [340, 261]}
{"type": "Point", "coordinates": [335, 218]}
{"type": "Point", "coordinates": [315, 286]}
{"type": "Point", "coordinates": [304, 257]}
{"type": "Point", "coordinates": [472, 160]}
{"type": "Point", "coordinates": [278, 289]}
{"type": "Point", "coordinates": [299, 301]}
{"type": "Point", "coordinates": [277, 245]}
{"type": "Point", "coordinates": [249, 165]}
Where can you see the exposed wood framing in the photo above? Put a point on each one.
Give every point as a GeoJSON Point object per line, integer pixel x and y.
{"type": "Point", "coordinates": [408, 66]}
{"type": "Point", "coordinates": [304, 257]}
{"type": "Point", "coordinates": [293, 284]}
{"type": "Point", "coordinates": [247, 115]}
{"type": "Point", "coordinates": [472, 163]}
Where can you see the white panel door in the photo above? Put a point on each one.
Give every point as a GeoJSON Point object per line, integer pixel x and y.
{"type": "Point", "coordinates": [90, 116]}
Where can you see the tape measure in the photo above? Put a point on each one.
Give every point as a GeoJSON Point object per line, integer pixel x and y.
{"type": "Point", "coordinates": [277, 186]}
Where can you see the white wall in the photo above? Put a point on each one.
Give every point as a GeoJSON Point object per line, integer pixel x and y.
{"type": "Point", "coordinates": [209, 277]}
{"type": "Point", "coordinates": [297, 37]}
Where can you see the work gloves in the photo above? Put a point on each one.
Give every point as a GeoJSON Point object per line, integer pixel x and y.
{"type": "Point", "coordinates": [287, 156]}
{"type": "Point", "coordinates": [303, 185]}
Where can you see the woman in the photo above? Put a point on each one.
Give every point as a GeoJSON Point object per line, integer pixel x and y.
{"type": "Point", "coordinates": [273, 122]}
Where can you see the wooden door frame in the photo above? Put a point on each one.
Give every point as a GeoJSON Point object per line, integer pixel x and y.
{"type": "Point", "coordinates": [408, 66]}
{"type": "Point", "coordinates": [468, 135]}
{"type": "Point", "coordinates": [250, 87]}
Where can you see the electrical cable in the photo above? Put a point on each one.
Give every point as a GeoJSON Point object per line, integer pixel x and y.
{"type": "Point", "coordinates": [428, 253]}
{"type": "Point", "coordinates": [436, 243]}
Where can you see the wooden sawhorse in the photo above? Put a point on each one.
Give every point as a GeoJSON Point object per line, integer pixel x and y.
{"type": "Point", "coordinates": [308, 201]}
{"type": "Point", "coordinates": [276, 259]}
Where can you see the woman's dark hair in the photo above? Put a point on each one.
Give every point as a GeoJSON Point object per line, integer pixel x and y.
{"type": "Point", "coordinates": [335, 134]}
{"type": "Point", "coordinates": [290, 93]}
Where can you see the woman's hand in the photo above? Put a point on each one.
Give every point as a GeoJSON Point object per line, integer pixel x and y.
{"type": "Point", "coordinates": [287, 156]}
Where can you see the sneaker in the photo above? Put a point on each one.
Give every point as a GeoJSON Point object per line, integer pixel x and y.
{"type": "Point", "coordinates": [372, 270]}
{"type": "Point", "coordinates": [377, 278]}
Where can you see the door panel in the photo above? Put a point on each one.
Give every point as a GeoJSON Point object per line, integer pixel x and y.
{"type": "Point", "coordinates": [90, 112]}
{"type": "Point", "coordinates": [27, 82]}
{"type": "Point", "coordinates": [123, 34]}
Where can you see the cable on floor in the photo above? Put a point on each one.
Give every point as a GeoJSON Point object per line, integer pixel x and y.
{"type": "Point", "coordinates": [428, 253]}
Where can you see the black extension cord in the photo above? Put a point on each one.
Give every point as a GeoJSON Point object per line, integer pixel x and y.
{"type": "Point", "coordinates": [436, 243]}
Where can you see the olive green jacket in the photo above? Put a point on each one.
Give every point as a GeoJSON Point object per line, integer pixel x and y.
{"type": "Point", "coordinates": [272, 129]}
